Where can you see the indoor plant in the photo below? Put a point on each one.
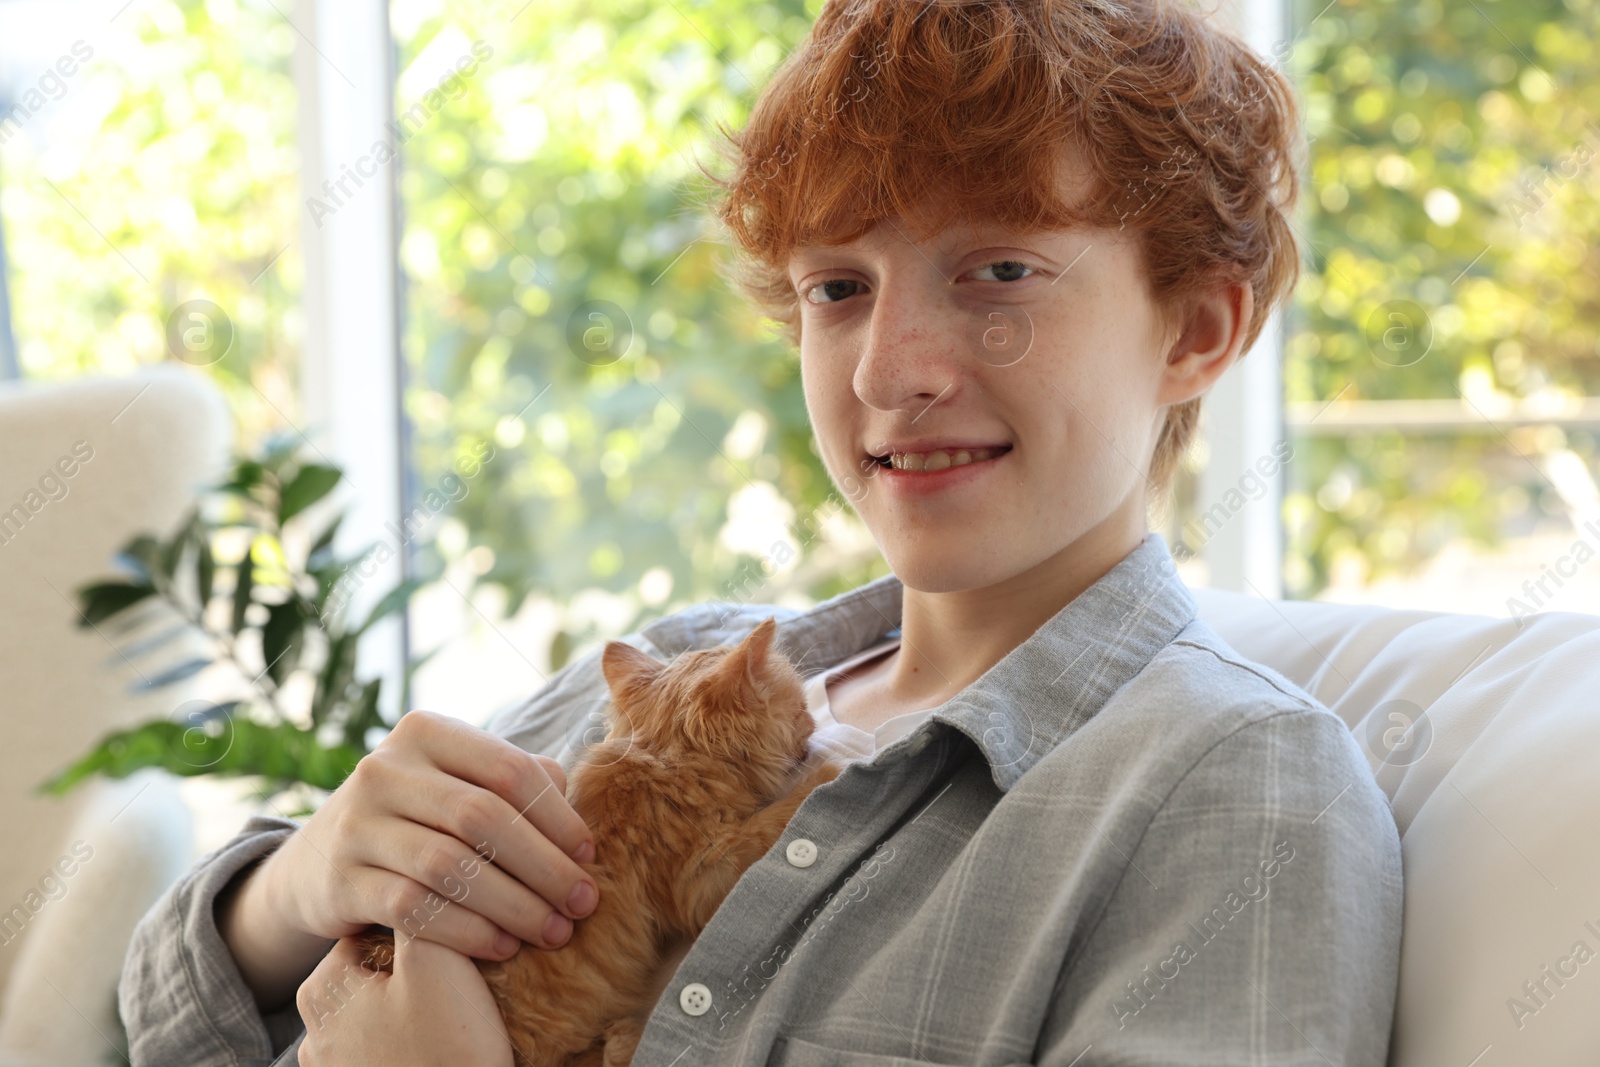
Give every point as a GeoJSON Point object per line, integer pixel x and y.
{"type": "Point", "coordinates": [249, 578]}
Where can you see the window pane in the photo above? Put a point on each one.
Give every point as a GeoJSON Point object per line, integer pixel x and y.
{"type": "Point", "coordinates": [1451, 227]}
{"type": "Point", "coordinates": [564, 310]}
{"type": "Point", "coordinates": [149, 160]}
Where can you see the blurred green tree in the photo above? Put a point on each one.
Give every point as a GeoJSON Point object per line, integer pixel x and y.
{"type": "Point", "coordinates": [166, 172]}
{"type": "Point", "coordinates": [1454, 161]}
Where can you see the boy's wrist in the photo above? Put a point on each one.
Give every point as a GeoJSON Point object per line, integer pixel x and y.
{"type": "Point", "coordinates": [269, 906]}
{"type": "Point", "coordinates": [256, 921]}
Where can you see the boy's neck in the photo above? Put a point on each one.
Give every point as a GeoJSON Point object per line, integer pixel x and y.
{"type": "Point", "coordinates": [948, 640]}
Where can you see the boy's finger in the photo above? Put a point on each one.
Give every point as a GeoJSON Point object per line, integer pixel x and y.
{"type": "Point", "coordinates": [426, 970]}
{"type": "Point", "coordinates": [335, 982]}
{"type": "Point", "coordinates": [441, 960]}
{"type": "Point", "coordinates": [532, 790]}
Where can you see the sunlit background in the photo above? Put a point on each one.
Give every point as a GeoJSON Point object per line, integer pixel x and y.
{"type": "Point", "coordinates": [1440, 363]}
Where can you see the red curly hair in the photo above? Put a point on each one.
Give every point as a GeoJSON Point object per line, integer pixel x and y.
{"type": "Point", "coordinates": [935, 111]}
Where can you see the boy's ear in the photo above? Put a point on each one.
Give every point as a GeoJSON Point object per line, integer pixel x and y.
{"type": "Point", "coordinates": [1210, 339]}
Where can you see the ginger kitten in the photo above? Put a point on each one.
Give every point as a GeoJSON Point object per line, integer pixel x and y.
{"type": "Point", "coordinates": [700, 771]}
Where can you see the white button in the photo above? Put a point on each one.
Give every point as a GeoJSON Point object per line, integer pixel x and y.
{"type": "Point", "coordinates": [920, 743]}
{"type": "Point", "coordinates": [801, 852]}
{"type": "Point", "coordinates": [695, 999]}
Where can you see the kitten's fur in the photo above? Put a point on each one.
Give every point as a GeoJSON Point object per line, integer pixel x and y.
{"type": "Point", "coordinates": [700, 772]}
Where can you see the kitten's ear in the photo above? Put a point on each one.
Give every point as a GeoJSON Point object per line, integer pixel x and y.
{"type": "Point", "coordinates": [748, 664]}
{"type": "Point", "coordinates": [626, 667]}
{"type": "Point", "coordinates": [759, 643]}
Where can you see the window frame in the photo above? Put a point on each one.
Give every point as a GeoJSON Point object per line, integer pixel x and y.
{"type": "Point", "coordinates": [352, 371]}
{"type": "Point", "coordinates": [1242, 417]}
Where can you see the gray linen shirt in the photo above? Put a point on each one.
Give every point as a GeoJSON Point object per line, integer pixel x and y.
{"type": "Point", "coordinates": [1123, 844]}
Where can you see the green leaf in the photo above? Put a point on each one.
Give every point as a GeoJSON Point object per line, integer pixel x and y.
{"type": "Point", "coordinates": [225, 744]}
{"type": "Point", "coordinates": [205, 565]}
{"type": "Point", "coordinates": [281, 638]}
{"type": "Point", "coordinates": [334, 680]}
{"type": "Point", "coordinates": [99, 601]}
{"type": "Point", "coordinates": [331, 573]}
{"type": "Point", "coordinates": [142, 556]}
{"type": "Point", "coordinates": [187, 669]}
{"type": "Point", "coordinates": [322, 548]}
{"type": "Point", "coordinates": [244, 587]}
{"type": "Point", "coordinates": [392, 601]}
{"type": "Point", "coordinates": [313, 482]}
{"type": "Point", "coordinates": [327, 578]}
{"type": "Point", "coordinates": [244, 477]}
{"type": "Point", "coordinates": [364, 715]}
{"type": "Point", "coordinates": [172, 553]}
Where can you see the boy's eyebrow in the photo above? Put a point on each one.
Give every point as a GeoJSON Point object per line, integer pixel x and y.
{"type": "Point", "coordinates": [948, 242]}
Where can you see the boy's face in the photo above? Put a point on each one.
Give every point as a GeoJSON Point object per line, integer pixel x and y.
{"type": "Point", "coordinates": [1039, 356]}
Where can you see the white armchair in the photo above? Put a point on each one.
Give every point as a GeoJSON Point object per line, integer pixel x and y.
{"type": "Point", "coordinates": [1485, 734]}
{"type": "Point", "coordinates": [86, 465]}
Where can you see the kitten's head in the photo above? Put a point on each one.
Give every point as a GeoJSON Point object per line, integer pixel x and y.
{"type": "Point", "coordinates": [742, 704]}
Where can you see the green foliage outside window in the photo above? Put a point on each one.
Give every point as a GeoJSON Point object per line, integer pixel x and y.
{"type": "Point", "coordinates": [187, 188]}
{"type": "Point", "coordinates": [1454, 162]}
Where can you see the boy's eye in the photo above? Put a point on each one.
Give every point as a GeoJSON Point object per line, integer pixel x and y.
{"type": "Point", "coordinates": [833, 290]}
{"type": "Point", "coordinates": [836, 289]}
{"type": "Point", "coordinates": [1007, 270]}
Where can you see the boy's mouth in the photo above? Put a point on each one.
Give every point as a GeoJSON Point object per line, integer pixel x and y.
{"type": "Point", "coordinates": [938, 459]}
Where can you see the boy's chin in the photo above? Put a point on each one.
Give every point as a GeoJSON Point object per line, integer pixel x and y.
{"type": "Point", "coordinates": [949, 570]}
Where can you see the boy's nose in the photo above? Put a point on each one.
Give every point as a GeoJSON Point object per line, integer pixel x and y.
{"type": "Point", "coordinates": [910, 359]}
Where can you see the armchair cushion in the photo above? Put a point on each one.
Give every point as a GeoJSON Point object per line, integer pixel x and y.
{"type": "Point", "coordinates": [88, 464]}
{"type": "Point", "coordinates": [1484, 733]}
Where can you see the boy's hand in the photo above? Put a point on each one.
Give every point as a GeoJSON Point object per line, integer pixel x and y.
{"type": "Point", "coordinates": [439, 812]}
{"type": "Point", "coordinates": [435, 1009]}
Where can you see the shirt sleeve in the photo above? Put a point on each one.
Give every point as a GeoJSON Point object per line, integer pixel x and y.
{"type": "Point", "coordinates": [182, 999]}
{"type": "Point", "coordinates": [181, 996]}
{"type": "Point", "coordinates": [1257, 920]}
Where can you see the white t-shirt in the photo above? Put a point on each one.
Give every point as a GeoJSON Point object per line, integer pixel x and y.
{"type": "Point", "coordinates": [841, 741]}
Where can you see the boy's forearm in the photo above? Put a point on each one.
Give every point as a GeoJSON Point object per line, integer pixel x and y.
{"type": "Point", "coordinates": [272, 956]}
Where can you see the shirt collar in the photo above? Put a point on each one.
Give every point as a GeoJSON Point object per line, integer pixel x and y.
{"type": "Point", "coordinates": [1037, 695]}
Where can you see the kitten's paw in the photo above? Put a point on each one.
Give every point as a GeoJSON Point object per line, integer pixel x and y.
{"type": "Point", "coordinates": [622, 1039]}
